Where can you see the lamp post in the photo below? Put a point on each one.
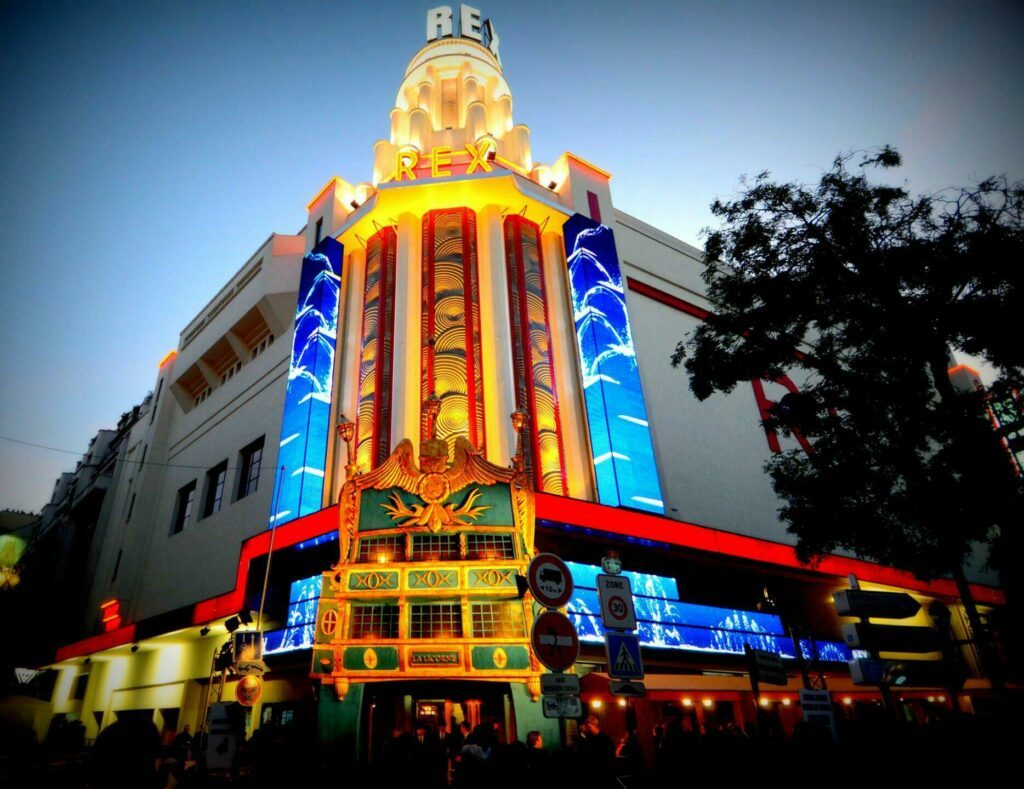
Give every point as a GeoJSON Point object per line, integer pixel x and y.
{"type": "Point", "coordinates": [347, 433]}
{"type": "Point", "coordinates": [519, 419]}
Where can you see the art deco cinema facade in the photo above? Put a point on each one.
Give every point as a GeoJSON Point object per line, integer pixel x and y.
{"type": "Point", "coordinates": [353, 384]}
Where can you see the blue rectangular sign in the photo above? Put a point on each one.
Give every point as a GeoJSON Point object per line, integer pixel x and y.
{"type": "Point", "coordinates": [620, 436]}
{"type": "Point", "coordinates": [305, 424]}
{"type": "Point", "coordinates": [623, 653]}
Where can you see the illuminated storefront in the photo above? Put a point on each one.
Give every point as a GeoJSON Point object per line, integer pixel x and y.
{"type": "Point", "coordinates": [462, 283]}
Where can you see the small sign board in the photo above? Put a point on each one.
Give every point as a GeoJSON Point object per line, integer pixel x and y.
{"type": "Point", "coordinates": [254, 667]}
{"type": "Point", "coordinates": [247, 645]}
{"type": "Point", "coordinates": [817, 708]}
{"type": "Point", "coordinates": [623, 653]}
{"type": "Point", "coordinates": [627, 688]}
{"type": "Point", "coordinates": [884, 605]}
{"type": "Point", "coordinates": [554, 640]}
{"type": "Point", "coordinates": [767, 667]}
{"type": "Point", "coordinates": [562, 706]}
{"type": "Point", "coordinates": [550, 580]}
{"type": "Point", "coordinates": [558, 684]}
{"type": "Point", "coordinates": [892, 638]}
{"type": "Point", "coordinates": [616, 595]}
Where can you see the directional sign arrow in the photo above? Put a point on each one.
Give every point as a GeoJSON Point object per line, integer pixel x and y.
{"type": "Point", "coordinates": [892, 638]}
{"type": "Point", "coordinates": [886, 605]}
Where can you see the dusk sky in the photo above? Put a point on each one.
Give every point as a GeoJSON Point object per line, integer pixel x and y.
{"type": "Point", "coordinates": [148, 148]}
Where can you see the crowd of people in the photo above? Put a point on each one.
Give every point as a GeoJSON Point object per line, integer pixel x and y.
{"type": "Point", "coordinates": [131, 753]}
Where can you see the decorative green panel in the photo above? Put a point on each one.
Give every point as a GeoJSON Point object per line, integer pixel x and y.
{"type": "Point", "coordinates": [499, 658]}
{"type": "Point", "coordinates": [492, 577]}
{"type": "Point", "coordinates": [323, 661]}
{"type": "Point", "coordinates": [495, 499]}
{"type": "Point", "coordinates": [434, 579]}
{"type": "Point", "coordinates": [328, 620]}
{"type": "Point", "coordinates": [371, 658]}
{"type": "Point", "coordinates": [372, 580]}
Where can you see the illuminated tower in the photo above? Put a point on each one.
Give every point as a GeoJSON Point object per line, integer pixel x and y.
{"type": "Point", "coordinates": [471, 275]}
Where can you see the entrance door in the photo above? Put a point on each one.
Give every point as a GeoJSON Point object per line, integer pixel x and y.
{"type": "Point", "coordinates": [393, 710]}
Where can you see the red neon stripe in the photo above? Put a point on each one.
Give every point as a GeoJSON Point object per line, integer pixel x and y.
{"type": "Point", "coordinates": [468, 267]}
{"type": "Point", "coordinates": [703, 538]}
{"type": "Point", "coordinates": [291, 533]}
{"type": "Point", "coordinates": [380, 441]}
{"type": "Point", "coordinates": [429, 304]}
{"type": "Point", "coordinates": [667, 299]}
{"type": "Point", "coordinates": [87, 646]}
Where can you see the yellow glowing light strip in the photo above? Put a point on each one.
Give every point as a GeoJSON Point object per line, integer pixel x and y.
{"type": "Point", "coordinates": [167, 357]}
{"type": "Point", "coordinates": [510, 165]}
{"type": "Point", "coordinates": [334, 179]}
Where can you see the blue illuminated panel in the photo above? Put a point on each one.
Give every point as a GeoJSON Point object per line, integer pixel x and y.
{"type": "Point", "coordinates": [664, 622]}
{"type": "Point", "coordinates": [305, 425]}
{"type": "Point", "coordinates": [301, 622]}
{"type": "Point", "coordinates": [619, 434]}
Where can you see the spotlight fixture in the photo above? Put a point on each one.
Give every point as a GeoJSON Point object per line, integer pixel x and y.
{"type": "Point", "coordinates": [135, 647]}
{"type": "Point", "coordinates": [492, 155]}
{"type": "Point", "coordinates": [354, 204]}
{"type": "Point", "coordinates": [245, 616]}
{"type": "Point", "coordinates": [232, 624]}
{"type": "Point", "coordinates": [552, 185]}
{"type": "Point", "coordinates": [205, 630]}
{"type": "Point", "coordinates": [87, 661]}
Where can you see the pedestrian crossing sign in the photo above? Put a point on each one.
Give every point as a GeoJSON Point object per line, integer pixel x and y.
{"type": "Point", "coordinates": [623, 653]}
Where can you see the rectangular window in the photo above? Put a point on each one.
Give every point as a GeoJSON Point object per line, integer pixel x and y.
{"type": "Point", "coordinates": [497, 620]}
{"type": "Point", "coordinates": [436, 620]}
{"type": "Point", "coordinates": [81, 683]}
{"type": "Point", "coordinates": [382, 549]}
{"type": "Point", "coordinates": [319, 230]}
{"type": "Point", "coordinates": [434, 547]}
{"type": "Point", "coordinates": [202, 396]}
{"type": "Point", "coordinates": [249, 468]}
{"type": "Point", "coordinates": [490, 546]}
{"type": "Point", "coordinates": [183, 508]}
{"type": "Point", "coordinates": [230, 373]}
{"type": "Point", "coordinates": [215, 488]}
{"type": "Point", "coordinates": [375, 621]}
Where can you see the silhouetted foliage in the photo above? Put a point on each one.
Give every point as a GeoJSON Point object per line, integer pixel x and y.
{"type": "Point", "coordinates": [866, 289]}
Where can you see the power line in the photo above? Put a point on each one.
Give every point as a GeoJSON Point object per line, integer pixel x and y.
{"type": "Point", "coordinates": [140, 463]}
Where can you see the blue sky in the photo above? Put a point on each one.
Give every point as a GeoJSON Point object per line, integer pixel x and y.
{"type": "Point", "coordinates": [148, 148]}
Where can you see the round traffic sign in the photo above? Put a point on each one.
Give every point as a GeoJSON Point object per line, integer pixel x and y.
{"type": "Point", "coordinates": [554, 640]}
{"type": "Point", "coordinates": [617, 607]}
{"type": "Point", "coordinates": [550, 580]}
{"type": "Point", "coordinates": [249, 690]}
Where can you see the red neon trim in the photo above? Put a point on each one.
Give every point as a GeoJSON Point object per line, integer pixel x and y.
{"type": "Point", "coordinates": [87, 646]}
{"type": "Point", "coordinates": [109, 603]}
{"type": "Point", "coordinates": [963, 368]}
{"type": "Point", "coordinates": [703, 538]}
{"type": "Point", "coordinates": [667, 299]}
{"type": "Point", "coordinates": [429, 305]}
{"type": "Point", "coordinates": [380, 439]}
{"type": "Point", "coordinates": [468, 287]}
{"type": "Point", "coordinates": [677, 303]}
{"type": "Point", "coordinates": [289, 534]}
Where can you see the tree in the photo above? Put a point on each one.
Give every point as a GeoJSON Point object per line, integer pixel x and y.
{"type": "Point", "coordinates": [866, 289]}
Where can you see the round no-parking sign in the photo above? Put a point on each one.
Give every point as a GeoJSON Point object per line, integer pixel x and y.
{"type": "Point", "coordinates": [550, 580]}
{"type": "Point", "coordinates": [554, 640]}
